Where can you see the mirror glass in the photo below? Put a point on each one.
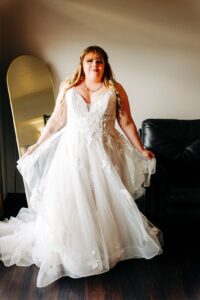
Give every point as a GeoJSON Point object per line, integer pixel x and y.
{"type": "Point", "coordinates": [32, 98]}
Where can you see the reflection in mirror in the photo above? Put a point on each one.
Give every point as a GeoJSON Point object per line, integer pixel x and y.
{"type": "Point", "coordinates": [31, 98]}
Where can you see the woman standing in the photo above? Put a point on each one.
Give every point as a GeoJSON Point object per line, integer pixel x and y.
{"type": "Point", "coordinates": [82, 177]}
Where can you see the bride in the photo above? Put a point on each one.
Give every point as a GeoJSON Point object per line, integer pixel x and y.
{"type": "Point", "coordinates": [82, 177]}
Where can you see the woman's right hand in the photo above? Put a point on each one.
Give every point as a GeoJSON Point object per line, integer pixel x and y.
{"type": "Point", "coordinates": [32, 148]}
{"type": "Point", "coordinates": [147, 154]}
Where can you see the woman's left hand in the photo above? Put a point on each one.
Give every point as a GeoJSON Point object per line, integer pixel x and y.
{"type": "Point", "coordinates": [147, 154]}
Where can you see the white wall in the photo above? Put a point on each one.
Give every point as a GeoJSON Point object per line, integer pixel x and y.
{"type": "Point", "coordinates": [154, 46]}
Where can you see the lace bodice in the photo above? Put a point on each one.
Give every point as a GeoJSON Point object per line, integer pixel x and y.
{"type": "Point", "coordinates": [95, 120]}
{"type": "Point", "coordinates": [79, 118]}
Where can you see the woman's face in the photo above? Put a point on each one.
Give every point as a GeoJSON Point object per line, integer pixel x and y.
{"type": "Point", "coordinates": [93, 66]}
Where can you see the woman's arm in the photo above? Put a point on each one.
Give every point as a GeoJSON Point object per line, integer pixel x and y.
{"type": "Point", "coordinates": [55, 122]}
{"type": "Point", "coordinates": [127, 124]}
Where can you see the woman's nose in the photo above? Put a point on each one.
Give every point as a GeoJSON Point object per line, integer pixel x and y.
{"type": "Point", "coordinates": [94, 63]}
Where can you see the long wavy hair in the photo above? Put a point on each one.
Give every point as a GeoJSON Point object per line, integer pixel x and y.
{"type": "Point", "coordinates": [78, 76]}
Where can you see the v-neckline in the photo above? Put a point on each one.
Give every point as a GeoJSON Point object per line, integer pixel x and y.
{"type": "Point", "coordinates": [89, 105]}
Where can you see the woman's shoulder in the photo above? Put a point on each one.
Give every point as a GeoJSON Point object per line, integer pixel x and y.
{"type": "Point", "coordinates": [66, 87]}
{"type": "Point", "coordinates": [120, 89]}
{"type": "Point", "coordinates": [119, 86]}
{"type": "Point", "coordinates": [65, 84]}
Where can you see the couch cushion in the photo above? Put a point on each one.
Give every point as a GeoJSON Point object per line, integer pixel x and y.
{"type": "Point", "coordinates": [176, 143]}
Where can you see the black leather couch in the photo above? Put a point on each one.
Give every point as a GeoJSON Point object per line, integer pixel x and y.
{"type": "Point", "coordinates": [172, 201]}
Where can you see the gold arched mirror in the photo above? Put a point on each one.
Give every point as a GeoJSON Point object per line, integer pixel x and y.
{"type": "Point", "coordinates": [31, 95]}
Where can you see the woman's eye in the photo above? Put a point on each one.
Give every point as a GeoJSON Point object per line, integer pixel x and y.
{"type": "Point", "coordinates": [97, 61]}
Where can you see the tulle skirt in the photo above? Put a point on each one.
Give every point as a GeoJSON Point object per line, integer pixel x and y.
{"type": "Point", "coordinates": [82, 218]}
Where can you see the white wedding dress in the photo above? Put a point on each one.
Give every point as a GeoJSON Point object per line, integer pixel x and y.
{"type": "Point", "coordinates": [81, 184]}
